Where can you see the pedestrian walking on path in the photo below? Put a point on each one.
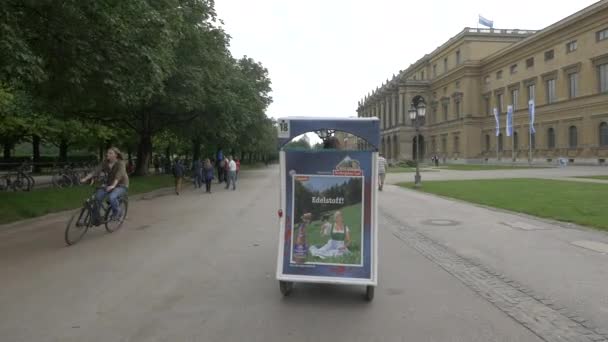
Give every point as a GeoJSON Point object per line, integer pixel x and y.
{"type": "Point", "coordinates": [238, 168]}
{"type": "Point", "coordinates": [208, 175]}
{"type": "Point", "coordinates": [178, 173]}
{"type": "Point", "coordinates": [198, 173]}
{"type": "Point", "coordinates": [381, 171]}
{"type": "Point", "coordinates": [231, 173]}
{"type": "Point", "coordinates": [220, 163]}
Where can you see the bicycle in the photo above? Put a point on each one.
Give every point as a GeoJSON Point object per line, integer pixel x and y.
{"type": "Point", "coordinates": [24, 177]}
{"type": "Point", "coordinates": [82, 220]}
{"type": "Point", "coordinates": [17, 180]}
{"type": "Point", "coordinates": [61, 178]}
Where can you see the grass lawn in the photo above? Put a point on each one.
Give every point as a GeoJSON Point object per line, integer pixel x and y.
{"type": "Point", "coordinates": [352, 218]}
{"type": "Point", "coordinates": [595, 177]}
{"type": "Point", "coordinates": [581, 203]}
{"type": "Point", "coordinates": [479, 167]}
{"type": "Point", "coordinates": [21, 205]}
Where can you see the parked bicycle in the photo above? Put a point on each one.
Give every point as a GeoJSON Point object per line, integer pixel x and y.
{"type": "Point", "coordinates": [82, 220]}
{"type": "Point", "coordinates": [69, 175]}
{"type": "Point", "coordinates": [19, 180]}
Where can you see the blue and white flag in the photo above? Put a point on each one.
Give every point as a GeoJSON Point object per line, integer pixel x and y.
{"type": "Point", "coordinates": [531, 109]}
{"type": "Point", "coordinates": [509, 121]}
{"type": "Point", "coordinates": [486, 22]}
{"type": "Point", "coordinates": [496, 116]}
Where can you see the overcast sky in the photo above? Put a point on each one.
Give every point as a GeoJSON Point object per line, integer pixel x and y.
{"type": "Point", "coordinates": [324, 56]}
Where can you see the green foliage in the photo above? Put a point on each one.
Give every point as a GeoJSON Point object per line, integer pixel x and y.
{"type": "Point", "coordinates": [89, 73]}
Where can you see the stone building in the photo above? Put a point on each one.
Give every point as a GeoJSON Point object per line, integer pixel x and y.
{"type": "Point", "coordinates": [563, 68]}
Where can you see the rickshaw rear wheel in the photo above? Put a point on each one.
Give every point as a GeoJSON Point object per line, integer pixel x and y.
{"type": "Point", "coordinates": [286, 287]}
{"type": "Point", "coordinates": [369, 293]}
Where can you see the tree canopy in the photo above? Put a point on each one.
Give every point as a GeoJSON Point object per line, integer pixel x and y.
{"type": "Point", "coordinates": [123, 72]}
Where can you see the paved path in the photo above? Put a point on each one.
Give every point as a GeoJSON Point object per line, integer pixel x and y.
{"type": "Point", "coordinates": [557, 264]}
{"type": "Point", "coordinates": [567, 173]}
{"type": "Point", "coordinates": [201, 268]}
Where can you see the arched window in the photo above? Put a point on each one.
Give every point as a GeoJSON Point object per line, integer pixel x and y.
{"type": "Point", "coordinates": [487, 142]}
{"type": "Point", "coordinates": [604, 134]}
{"type": "Point", "coordinates": [551, 138]}
{"type": "Point", "coordinates": [515, 141]}
{"type": "Point", "coordinates": [500, 142]}
{"type": "Point", "coordinates": [572, 137]}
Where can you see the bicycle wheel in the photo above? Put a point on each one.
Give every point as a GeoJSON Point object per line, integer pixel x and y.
{"type": "Point", "coordinates": [5, 183]}
{"type": "Point", "coordinates": [27, 181]}
{"type": "Point", "coordinates": [62, 181]}
{"type": "Point", "coordinates": [32, 181]}
{"type": "Point", "coordinates": [19, 184]}
{"type": "Point", "coordinates": [113, 225]}
{"type": "Point", "coordinates": [77, 226]}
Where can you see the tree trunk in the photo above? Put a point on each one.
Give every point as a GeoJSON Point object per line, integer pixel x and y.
{"type": "Point", "coordinates": [196, 149]}
{"type": "Point", "coordinates": [63, 151]}
{"type": "Point", "coordinates": [144, 151]}
{"type": "Point", "coordinates": [101, 152]}
{"type": "Point", "coordinates": [36, 152]}
{"type": "Point", "coordinates": [7, 150]}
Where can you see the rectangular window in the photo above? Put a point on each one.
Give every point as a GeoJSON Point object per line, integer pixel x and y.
{"type": "Point", "coordinates": [513, 69]}
{"type": "Point", "coordinates": [499, 103]}
{"type": "Point", "coordinates": [422, 75]}
{"type": "Point", "coordinates": [573, 85]}
{"type": "Point", "coordinates": [514, 98]}
{"type": "Point", "coordinates": [445, 65]}
{"type": "Point", "coordinates": [530, 62]}
{"type": "Point", "coordinates": [603, 77]}
{"type": "Point", "coordinates": [445, 111]}
{"type": "Point", "coordinates": [458, 57]}
{"type": "Point", "coordinates": [571, 46]}
{"type": "Point", "coordinates": [549, 55]}
{"type": "Point", "coordinates": [602, 35]}
{"type": "Point", "coordinates": [486, 80]}
{"type": "Point", "coordinates": [531, 92]}
{"type": "Point", "coordinates": [550, 91]}
{"type": "Point", "coordinates": [457, 105]}
{"type": "Point", "coordinates": [435, 70]}
{"type": "Point", "coordinates": [499, 75]}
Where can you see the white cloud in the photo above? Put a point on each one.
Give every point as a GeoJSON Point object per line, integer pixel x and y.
{"type": "Point", "coordinates": [324, 56]}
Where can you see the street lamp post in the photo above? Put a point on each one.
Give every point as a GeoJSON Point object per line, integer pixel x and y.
{"type": "Point", "coordinates": [417, 112]}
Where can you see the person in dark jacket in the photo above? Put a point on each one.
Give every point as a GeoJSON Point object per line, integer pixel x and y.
{"type": "Point", "coordinates": [178, 173]}
{"type": "Point", "coordinates": [198, 174]}
{"type": "Point", "coordinates": [208, 175]}
{"type": "Point", "coordinates": [220, 165]}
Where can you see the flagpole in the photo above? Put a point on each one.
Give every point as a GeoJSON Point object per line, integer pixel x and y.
{"type": "Point", "coordinates": [530, 143]}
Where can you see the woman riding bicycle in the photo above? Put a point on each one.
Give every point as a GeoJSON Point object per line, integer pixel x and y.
{"type": "Point", "coordinates": [117, 182]}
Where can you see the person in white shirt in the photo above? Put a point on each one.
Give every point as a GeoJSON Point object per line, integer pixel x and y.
{"type": "Point", "coordinates": [231, 173]}
{"type": "Point", "coordinates": [382, 165]}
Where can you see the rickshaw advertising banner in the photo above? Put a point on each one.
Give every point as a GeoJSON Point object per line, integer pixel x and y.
{"type": "Point", "coordinates": [328, 214]}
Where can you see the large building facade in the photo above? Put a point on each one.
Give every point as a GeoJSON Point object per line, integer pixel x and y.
{"type": "Point", "coordinates": [563, 68]}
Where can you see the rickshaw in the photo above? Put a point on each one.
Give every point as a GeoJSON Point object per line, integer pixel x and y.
{"type": "Point", "coordinates": [328, 204]}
